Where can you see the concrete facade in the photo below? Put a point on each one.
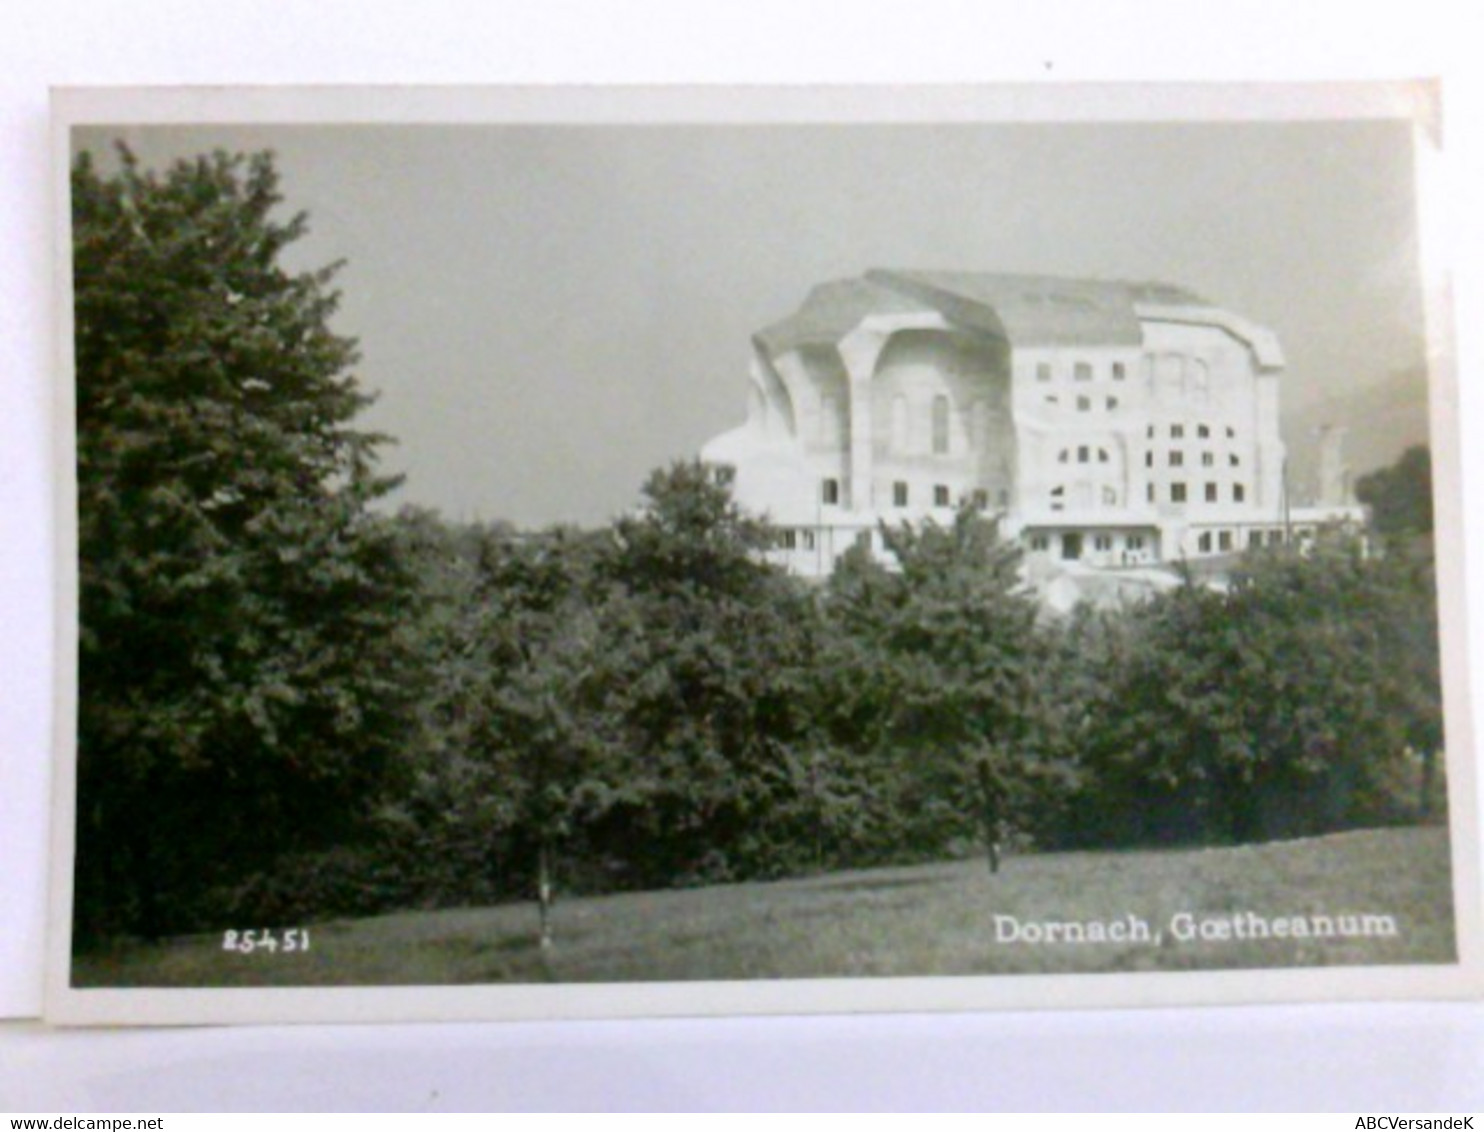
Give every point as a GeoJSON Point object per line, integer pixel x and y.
{"type": "Point", "coordinates": [1112, 427]}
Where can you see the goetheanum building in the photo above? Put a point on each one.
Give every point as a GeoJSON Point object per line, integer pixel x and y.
{"type": "Point", "coordinates": [1111, 426]}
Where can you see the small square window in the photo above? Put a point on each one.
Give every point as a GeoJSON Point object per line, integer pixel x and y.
{"type": "Point", "coordinates": [789, 539]}
{"type": "Point", "coordinates": [1084, 404]}
{"type": "Point", "coordinates": [1082, 371]}
{"type": "Point", "coordinates": [1177, 459]}
{"type": "Point", "coordinates": [1177, 493]}
{"type": "Point", "coordinates": [1208, 459]}
{"type": "Point", "coordinates": [941, 497]}
{"type": "Point", "coordinates": [1177, 431]}
{"type": "Point", "coordinates": [1112, 403]}
{"type": "Point", "coordinates": [1202, 431]}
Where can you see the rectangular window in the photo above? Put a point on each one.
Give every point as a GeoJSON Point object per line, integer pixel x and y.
{"type": "Point", "coordinates": [788, 539]}
{"type": "Point", "coordinates": [1239, 493]}
{"type": "Point", "coordinates": [1136, 542]}
{"type": "Point", "coordinates": [1082, 371]}
{"type": "Point", "coordinates": [899, 493]}
{"type": "Point", "coordinates": [940, 495]}
{"type": "Point", "coordinates": [1202, 431]}
{"type": "Point", "coordinates": [1149, 492]}
{"type": "Point", "coordinates": [1254, 538]}
{"type": "Point", "coordinates": [1118, 371]}
{"type": "Point", "coordinates": [1103, 542]}
{"type": "Point", "coordinates": [1040, 542]}
{"type": "Point", "coordinates": [1084, 404]}
{"type": "Point", "coordinates": [1235, 460]}
{"type": "Point", "coordinates": [1177, 459]}
{"type": "Point", "coordinates": [830, 492]}
{"type": "Point", "coordinates": [1211, 493]}
{"type": "Point", "coordinates": [1203, 544]}
{"type": "Point", "coordinates": [808, 539]}
{"type": "Point", "coordinates": [1177, 431]}
{"type": "Point", "coordinates": [1043, 371]}
{"type": "Point", "coordinates": [1084, 453]}
{"type": "Point", "coordinates": [1112, 403]}
{"type": "Point", "coordinates": [1177, 493]}
{"type": "Point", "coordinates": [863, 540]}
{"type": "Point", "coordinates": [981, 499]}
{"type": "Point", "coordinates": [1149, 459]}
{"type": "Point", "coordinates": [1071, 545]}
{"type": "Point", "coordinates": [1224, 540]}
{"type": "Point", "coordinates": [1208, 459]}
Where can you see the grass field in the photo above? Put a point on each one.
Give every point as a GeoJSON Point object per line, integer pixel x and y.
{"type": "Point", "coordinates": [928, 920]}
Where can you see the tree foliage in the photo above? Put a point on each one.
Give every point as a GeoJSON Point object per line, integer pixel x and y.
{"type": "Point", "coordinates": [1400, 497]}
{"type": "Point", "coordinates": [240, 691]}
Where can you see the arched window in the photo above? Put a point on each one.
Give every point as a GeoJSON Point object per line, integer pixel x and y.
{"type": "Point", "coordinates": [899, 424]}
{"type": "Point", "coordinates": [940, 425]}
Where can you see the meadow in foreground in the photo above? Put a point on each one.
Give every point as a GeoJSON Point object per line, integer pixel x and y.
{"type": "Point", "coordinates": [937, 919]}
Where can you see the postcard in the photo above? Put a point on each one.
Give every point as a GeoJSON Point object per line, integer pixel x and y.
{"type": "Point", "coordinates": [587, 552]}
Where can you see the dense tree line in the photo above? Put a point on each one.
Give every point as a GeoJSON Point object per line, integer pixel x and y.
{"type": "Point", "coordinates": [293, 704]}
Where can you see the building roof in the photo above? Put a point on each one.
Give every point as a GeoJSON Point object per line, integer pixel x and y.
{"type": "Point", "coordinates": [1023, 310]}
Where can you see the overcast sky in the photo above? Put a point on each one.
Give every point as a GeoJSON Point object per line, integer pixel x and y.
{"type": "Point", "coordinates": [550, 312]}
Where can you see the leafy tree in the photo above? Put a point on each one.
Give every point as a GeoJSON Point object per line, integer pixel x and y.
{"type": "Point", "coordinates": [1289, 705]}
{"type": "Point", "coordinates": [938, 666]}
{"type": "Point", "coordinates": [712, 695]}
{"type": "Point", "coordinates": [1400, 497]}
{"type": "Point", "coordinates": [240, 676]}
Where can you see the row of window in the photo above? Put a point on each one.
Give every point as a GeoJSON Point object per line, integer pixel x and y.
{"type": "Point", "coordinates": [901, 493]}
{"type": "Point", "coordinates": [1073, 542]}
{"type": "Point", "coordinates": [1084, 403]}
{"type": "Point", "coordinates": [1202, 432]}
{"type": "Point", "coordinates": [1208, 542]}
{"type": "Point", "coordinates": [1173, 371]}
{"type": "Point", "coordinates": [1208, 459]}
{"type": "Point", "coordinates": [1081, 371]}
{"type": "Point", "coordinates": [1178, 493]}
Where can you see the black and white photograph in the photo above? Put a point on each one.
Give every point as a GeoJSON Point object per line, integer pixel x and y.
{"type": "Point", "coordinates": [686, 552]}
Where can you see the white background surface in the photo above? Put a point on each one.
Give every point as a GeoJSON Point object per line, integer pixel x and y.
{"type": "Point", "coordinates": [1397, 1057]}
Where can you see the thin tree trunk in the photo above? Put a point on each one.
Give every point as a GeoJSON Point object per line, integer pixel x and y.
{"type": "Point", "coordinates": [543, 893]}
